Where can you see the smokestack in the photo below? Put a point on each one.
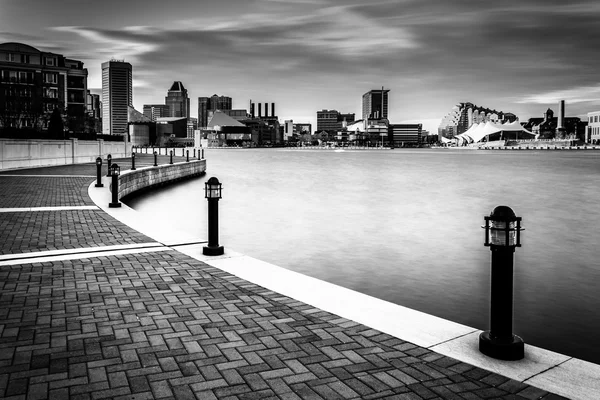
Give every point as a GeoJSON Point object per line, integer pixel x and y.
{"type": "Point", "coordinates": [252, 110]}
{"type": "Point", "coordinates": [561, 115]}
{"type": "Point", "coordinates": [266, 109]}
{"type": "Point", "coordinates": [272, 109]}
{"type": "Point", "coordinates": [259, 110]}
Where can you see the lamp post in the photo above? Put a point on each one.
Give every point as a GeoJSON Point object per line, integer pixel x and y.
{"type": "Point", "coordinates": [202, 154]}
{"type": "Point", "coordinates": [155, 159]}
{"type": "Point", "coordinates": [502, 235]}
{"type": "Point", "coordinates": [187, 156]}
{"type": "Point", "coordinates": [99, 172]}
{"type": "Point", "coordinates": [171, 159]}
{"type": "Point", "coordinates": [108, 162]}
{"type": "Point", "coordinates": [115, 171]}
{"type": "Point", "coordinates": [133, 161]}
{"type": "Point", "coordinates": [212, 190]}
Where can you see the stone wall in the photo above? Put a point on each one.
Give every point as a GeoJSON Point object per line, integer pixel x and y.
{"type": "Point", "coordinates": [25, 153]}
{"type": "Point", "coordinates": [144, 178]}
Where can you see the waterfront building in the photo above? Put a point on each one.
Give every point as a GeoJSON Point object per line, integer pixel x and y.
{"type": "Point", "coordinates": [302, 128]}
{"type": "Point", "coordinates": [593, 128]}
{"type": "Point", "coordinates": [238, 114]}
{"type": "Point", "coordinates": [332, 120]}
{"type": "Point", "coordinates": [117, 96]}
{"type": "Point", "coordinates": [288, 130]}
{"type": "Point", "coordinates": [177, 101]}
{"type": "Point", "coordinates": [548, 126]}
{"type": "Point", "coordinates": [375, 104]}
{"type": "Point", "coordinates": [154, 111]}
{"type": "Point", "coordinates": [400, 135]}
{"type": "Point", "coordinates": [223, 130]}
{"type": "Point", "coordinates": [464, 115]}
{"type": "Point", "coordinates": [213, 103]}
{"type": "Point", "coordinates": [171, 131]}
{"type": "Point", "coordinates": [192, 125]}
{"type": "Point", "coordinates": [33, 83]}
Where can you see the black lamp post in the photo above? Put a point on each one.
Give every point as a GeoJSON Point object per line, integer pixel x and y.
{"type": "Point", "coordinates": [133, 161]}
{"type": "Point", "coordinates": [99, 172]}
{"type": "Point", "coordinates": [502, 235]}
{"type": "Point", "coordinates": [115, 171]}
{"type": "Point", "coordinates": [155, 160]}
{"type": "Point", "coordinates": [108, 162]}
{"type": "Point", "coordinates": [171, 159]}
{"type": "Point", "coordinates": [212, 190]}
{"type": "Point", "coordinates": [202, 154]}
{"type": "Point", "coordinates": [187, 155]}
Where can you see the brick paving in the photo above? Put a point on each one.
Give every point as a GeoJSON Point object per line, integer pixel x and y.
{"type": "Point", "coordinates": [164, 325]}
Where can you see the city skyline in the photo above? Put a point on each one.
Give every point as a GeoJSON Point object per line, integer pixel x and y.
{"type": "Point", "coordinates": [308, 55]}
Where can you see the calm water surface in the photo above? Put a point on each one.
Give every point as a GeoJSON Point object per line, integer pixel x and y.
{"type": "Point", "coordinates": [404, 226]}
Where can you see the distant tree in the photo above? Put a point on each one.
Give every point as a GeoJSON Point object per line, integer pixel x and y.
{"type": "Point", "coordinates": [55, 126]}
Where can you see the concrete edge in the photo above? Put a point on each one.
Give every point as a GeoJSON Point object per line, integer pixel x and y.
{"type": "Point", "coordinates": [547, 370]}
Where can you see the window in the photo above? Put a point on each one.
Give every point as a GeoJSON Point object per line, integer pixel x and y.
{"type": "Point", "coordinates": [22, 77]}
{"type": "Point", "coordinates": [51, 93]}
{"type": "Point", "coordinates": [49, 78]}
{"type": "Point", "coordinates": [12, 76]}
{"type": "Point", "coordinates": [10, 57]}
{"type": "Point", "coordinates": [25, 58]}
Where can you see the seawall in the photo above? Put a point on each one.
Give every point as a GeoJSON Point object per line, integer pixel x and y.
{"type": "Point", "coordinates": [149, 177]}
{"type": "Point", "coordinates": [26, 153]}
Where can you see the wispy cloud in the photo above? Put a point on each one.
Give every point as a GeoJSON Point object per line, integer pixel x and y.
{"type": "Point", "coordinates": [574, 95]}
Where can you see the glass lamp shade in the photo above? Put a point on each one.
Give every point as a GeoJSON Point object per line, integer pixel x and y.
{"type": "Point", "coordinates": [115, 170]}
{"type": "Point", "coordinates": [503, 228]}
{"type": "Point", "coordinates": [212, 188]}
{"type": "Point", "coordinates": [98, 161]}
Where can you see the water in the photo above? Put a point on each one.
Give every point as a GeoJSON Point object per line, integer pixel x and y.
{"type": "Point", "coordinates": [404, 226]}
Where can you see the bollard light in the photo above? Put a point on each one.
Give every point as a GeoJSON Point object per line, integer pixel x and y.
{"type": "Point", "coordinates": [133, 161]}
{"type": "Point", "coordinates": [194, 152]}
{"type": "Point", "coordinates": [212, 193]}
{"type": "Point", "coordinates": [202, 154]}
{"type": "Point", "coordinates": [187, 155]}
{"type": "Point", "coordinates": [171, 159]}
{"type": "Point", "coordinates": [99, 172]}
{"type": "Point", "coordinates": [502, 236]}
{"type": "Point", "coordinates": [182, 152]}
{"type": "Point", "coordinates": [108, 163]}
{"type": "Point", "coordinates": [155, 160]}
{"type": "Point", "coordinates": [115, 171]}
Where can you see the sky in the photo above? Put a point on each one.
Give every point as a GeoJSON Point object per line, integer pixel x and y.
{"type": "Point", "coordinates": [518, 56]}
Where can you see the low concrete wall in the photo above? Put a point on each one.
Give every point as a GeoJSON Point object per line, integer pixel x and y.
{"type": "Point", "coordinates": [25, 153]}
{"type": "Point", "coordinates": [145, 178]}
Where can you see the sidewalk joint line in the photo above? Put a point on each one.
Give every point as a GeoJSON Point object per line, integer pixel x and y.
{"type": "Point", "coordinates": [185, 244]}
{"type": "Point", "coordinates": [547, 369]}
{"type": "Point", "coordinates": [47, 208]}
{"type": "Point", "coordinates": [48, 176]}
{"type": "Point", "coordinates": [454, 338]}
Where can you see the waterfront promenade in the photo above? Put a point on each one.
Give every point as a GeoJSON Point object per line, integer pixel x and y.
{"type": "Point", "coordinates": [91, 308]}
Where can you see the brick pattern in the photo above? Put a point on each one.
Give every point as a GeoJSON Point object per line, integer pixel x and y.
{"type": "Point", "coordinates": [18, 191]}
{"type": "Point", "coordinates": [163, 325]}
{"type": "Point", "coordinates": [22, 232]}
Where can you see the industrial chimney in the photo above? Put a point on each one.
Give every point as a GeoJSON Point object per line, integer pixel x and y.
{"type": "Point", "coordinates": [259, 110]}
{"type": "Point", "coordinates": [252, 110]}
{"type": "Point", "coordinates": [561, 115]}
{"type": "Point", "coordinates": [266, 110]}
{"type": "Point", "coordinates": [272, 109]}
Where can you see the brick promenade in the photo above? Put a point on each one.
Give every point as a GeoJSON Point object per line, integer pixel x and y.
{"type": "Point", "coordinates": [164, 325]}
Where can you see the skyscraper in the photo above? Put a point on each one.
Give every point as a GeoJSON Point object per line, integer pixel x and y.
{"type": "Point", "coordinates": [117, 96]}
{"type": "Point", "coordinates": [375, 104]}
{"type": "Point", "coordinates": [177, 101]}
{"type": "Point", "coordinates": [213, 103]}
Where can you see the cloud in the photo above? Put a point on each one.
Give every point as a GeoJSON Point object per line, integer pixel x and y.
{"type": "Point", "coordinates": [574, 95]}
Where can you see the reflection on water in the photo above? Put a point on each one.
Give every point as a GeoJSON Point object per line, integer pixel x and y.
{"type": "Point", "coordinates": [404, 226]}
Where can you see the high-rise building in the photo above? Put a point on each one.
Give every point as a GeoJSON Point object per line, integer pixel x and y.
{"type": "Point", "coordinates": [154, 111]}
{"type": "Point", "coordinates": [117, 96]}
{"type": "Point", "coordinates": [177, 101]}
{"type": "Point", "coordinates": [213, 103]}
{"type": "Point", "coordinates": [375, 104]}
{"type": "Point", "coordinates": [33, 83]}
{"type": "Point", "coordinates": [332, 120]}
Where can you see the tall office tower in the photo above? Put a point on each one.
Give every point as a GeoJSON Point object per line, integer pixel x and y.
{"type": "Point", "coordinates": [177, 101]}
{"type": "Point", "coordinates": [375, 104]}
{"type": "Point", "coordinates": [117, 96]}
{"type": "Point", "coordinates": [213, 103]}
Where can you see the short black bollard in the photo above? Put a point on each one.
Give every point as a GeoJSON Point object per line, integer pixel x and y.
{"type": "Point", "coordinates": [99, 172]}
{"type": "Point", "coordinates": [182, 152]}
{"type": "Point", "coordinates": [115, 171]}
{"type": "Point", "coordinates": [171, 159]}
{"type": "Point", "coordinates": [202, 154]}
{"type": "Point", "coordinates": [133, 161]}
{"type": "Point", "coordinates": [108, 163]}
{"type": "Point", "coordinates": [194, 152]}
{"type": "Point", "coordinates": [502, 235]}
{"type": "Point", "coordinates": [212, 190]}
{"type": "Point", "coordinates": [187, 155]}
{"type": "Point", "coordinates": [155, 160]}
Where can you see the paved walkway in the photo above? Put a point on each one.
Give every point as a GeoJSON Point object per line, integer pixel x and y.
{"type": "Point", "coordinates": [154, 323]}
